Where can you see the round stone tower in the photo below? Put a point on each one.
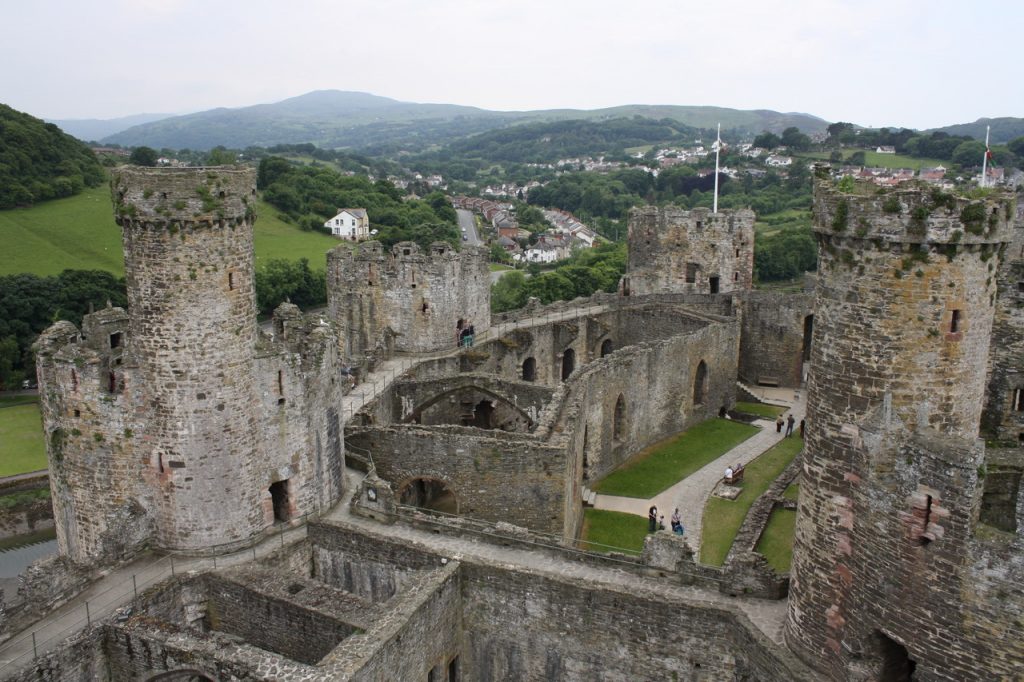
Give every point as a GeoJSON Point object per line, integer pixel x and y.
{"type": "Point", "coordinates": [188, 245]}
{"type": "Point", "coordinates": [905, 299]}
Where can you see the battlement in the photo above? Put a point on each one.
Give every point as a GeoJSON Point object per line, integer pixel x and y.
{"type": "Point", "coordinates": [697, 219]}
{"type": "Point", "coordinates": [912, 213]}
{"type": "Point", "coordinates": [168, 196]}
{"type": "Point", "coordinates": [403, 252]}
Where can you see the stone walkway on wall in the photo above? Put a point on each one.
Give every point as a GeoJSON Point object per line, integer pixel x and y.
{"type": "Point", "coordinates": [691, 494]}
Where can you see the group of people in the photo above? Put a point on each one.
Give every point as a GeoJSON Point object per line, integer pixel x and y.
{"type": "Point", "coordinates": [464, 333]}
{"type": "Point", "coordinates": [656, 522]}
{"type": "Point", "coordinates": [788, 423]}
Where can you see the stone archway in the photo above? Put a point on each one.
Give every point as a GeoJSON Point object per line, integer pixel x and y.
{"type": "Point", "coordinates": [700, 384]}
{"type": "Point", "coordinates": [428, 493]}
{"type": "Point", "coordinates": [568, 363]}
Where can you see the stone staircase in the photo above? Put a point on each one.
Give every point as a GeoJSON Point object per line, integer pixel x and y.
{"type": "Point", "coordinates": [589, 497]}
{"type": "Point", "coordinates": [751, 393]}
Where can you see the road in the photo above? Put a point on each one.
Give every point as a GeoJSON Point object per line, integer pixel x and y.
{"type": "Point", "coordinates": [467, 223]}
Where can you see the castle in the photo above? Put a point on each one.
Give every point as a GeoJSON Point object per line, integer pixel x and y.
{"type": "Point", "coordinates": [182, 425]}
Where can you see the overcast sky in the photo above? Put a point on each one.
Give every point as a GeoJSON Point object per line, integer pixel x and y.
{"type": "Point", "coordinates": [918, 63]}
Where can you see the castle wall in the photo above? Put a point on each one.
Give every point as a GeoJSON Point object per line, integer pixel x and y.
{"type": "Point", "coordinates": [1004, 405]}
{"type": "Point", "coordinates": [890, 489]}
{"type": "Point", "coordinates": [675, 251]}
{"type": "Point", "coordinates": [417, 297]}
{"type": "Point", "coordinates": [773, 340]}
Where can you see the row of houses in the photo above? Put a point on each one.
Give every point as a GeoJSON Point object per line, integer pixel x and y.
{"type": "Point", "coordinates": [563, 222]}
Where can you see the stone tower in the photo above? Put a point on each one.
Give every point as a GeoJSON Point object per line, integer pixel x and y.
{"type": "Point", "coordinates": [677, 251]}
{"type": "Point", "coordinates": [188, 245]}
{"type": "Point", "coordinates": [405, 300]}
{"type": "Point", "coordinates": [885, 582]}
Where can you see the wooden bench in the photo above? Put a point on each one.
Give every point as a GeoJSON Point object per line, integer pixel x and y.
{"type": "Point", "coordinates": [737, 476]}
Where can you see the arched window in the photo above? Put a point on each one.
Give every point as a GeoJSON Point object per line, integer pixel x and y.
{"type": "Point", "coordinates": [700, 384]}
{"type": "Point", "coordinates": [529, 369]}
{"type": "Point", "coordinates": [606, 347]}
{"type": "Point", "coordinates": [568, 363]}
{"type": "Point", "coordinates": [619, 420]}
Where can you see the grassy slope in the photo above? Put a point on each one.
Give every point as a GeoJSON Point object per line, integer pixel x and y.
{"type": "Point", "coordinates": [609, 531]}
{"type": "Point", "coordinates": [760, 409]}
{"type": "Point", "coordinates": [723, 518]}
{"type": "Point", "coordinates": [80, 233]}
{"type": "Point", "coordinates": [776, 543]}
{"type": "Point", "coordinates": [876, 160]}
{"type": "Point", "coordinates": [21, 440]}
{"type": "Point", "coordinates": [663, 464]}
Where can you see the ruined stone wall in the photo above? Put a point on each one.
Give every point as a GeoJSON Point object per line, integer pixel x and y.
{"type": "Point", "coordinates": [416, 297]}
{"type": "Point", "coordinates": [904, 308]}
{"type": "Point", "coordinates": [522, 626]}
{"type": "Point", "coordinates": [672, 250]}
{"type": "Point", "coordinates": [301, 386]}
{"type": "Point", "coordinates": [87, 395]}
{"type": "Point", "coordinates": [1004, 404]}
{"type": "Point", "coordinates": [187, 237]}
{"type": "Point", "coordinates": [496, 477]}
{"type": "Point", "coordinates": [773, 340]}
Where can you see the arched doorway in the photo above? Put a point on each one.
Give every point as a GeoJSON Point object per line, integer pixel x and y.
{"type": "Point", "coordinates": [568, 363]}
{"type": "Point", "coordinates": [529, 369]}
{"type": "Point", "coordinates": [429, 493]}
{"type": "Point", "coordinates": [606, 347]}
{"type": "Point", "coordinates": [700, 384]}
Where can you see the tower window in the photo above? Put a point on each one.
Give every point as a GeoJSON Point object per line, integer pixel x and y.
{"type": "Point", "coordinates": [954, 322]}
{"type": "Point", "coordinates": [115, 340]}
{"type": "Point", "coordinates": [231, 281]}
{"type": "Point", "coordinates": [1018, 400]}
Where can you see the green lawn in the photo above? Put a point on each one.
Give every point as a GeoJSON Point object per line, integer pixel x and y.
{"type": "Point", "coordinates": [498, 267]}
{"type": "Point", "coordinates": [876, 160]}
{"type": "Point", "coordinates": [609, 531]}
{"type": "Point", "coordinates": [792, 492]}
{"type": "Point", "coordinates": [80, 233]}
{"type": "Point", "coordinates": [760, 409]}
{"type": "Point", "coordinates": [21, 440]}
{"type": "Point", "coordinates": [663, 464]}
{"type": "Point", "coordinates": [723, 518]}
{"type": "Point", "coordinates": [776, 543]}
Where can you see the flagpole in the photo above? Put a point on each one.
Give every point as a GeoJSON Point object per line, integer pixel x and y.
{"type": "Point", "coordinates": [718, 150]}
{"type": "Point", "coordinates": [984, 159]}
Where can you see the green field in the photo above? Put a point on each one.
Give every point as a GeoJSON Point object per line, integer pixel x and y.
{"type": "Point", "coordinates": [80, 233]}
{"type": "Point", "coordinates": [760, 409]}
{"type": "Point", "coordinates": [609, 531]}
{"type": "Point", "coordinates": [664, 464]}
{"type": "Point", "coordinates": [876, 160]}
{"type": "Point", "coordinates": [776, 543]}
{"type": "Point", "coordinates": [723, 518]}
{"type": "Point", "coordinates": [21, 440]}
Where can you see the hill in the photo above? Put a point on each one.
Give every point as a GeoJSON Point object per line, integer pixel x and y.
{"type": "Point", "coordinates": [38, 161]}
{"type": "Point", "coordinates": [1004, 129]}
{"type": "Point", "coordinates": [92, 129]}
{"type": "Point", "coordinates": [332, 119]}
{"type": "Point", "coordinates": [80, 233]}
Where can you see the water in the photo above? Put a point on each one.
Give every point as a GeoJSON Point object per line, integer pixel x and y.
{"type": "Point", "coordinates": [18, 552]}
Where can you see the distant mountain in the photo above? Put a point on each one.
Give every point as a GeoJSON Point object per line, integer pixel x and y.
{"type": "Point", "coordinates": [92, 129]}
{"type": "Point", "coordinates": [1003, 129]}
{"type": "Point", "coordinates": [332, 119]}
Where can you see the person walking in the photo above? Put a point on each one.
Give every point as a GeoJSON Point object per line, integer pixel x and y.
{"type": "Point", "coordinates": [778, 424]}
{"type": "Point", "coordinates": [789, 425]}
{"type": "Point", "coordinates": [652, 519]}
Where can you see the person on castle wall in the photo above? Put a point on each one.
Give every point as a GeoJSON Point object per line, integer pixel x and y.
{"type": "Point", "coordinates": [802, 423]}
{"type": "Point", "coordinates": [652, 519]}
{"type": "Point", "coordinates": [472, 332]}
{"type": "Point", "coordinates": [789, 425]}
{"type": "Point", "coordinates": [458, 332]}
{"type": "Point", "coordinates": [464, 336]}
{"type": "Point", "coordinates": [661, 522]}
{"type": "Point", "coordinates": [778, 424]}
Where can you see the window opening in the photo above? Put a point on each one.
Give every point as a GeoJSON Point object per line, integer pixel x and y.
{"type": "Point", "coordinates": [279, 498]}
{"type": "Point", "coordinates": [619, 421]}
{"type": "Point", "coordinates": [714, 284]}
{"type": "Point", "coordinates": [691, 272]}
{"type": "Point", "coordinates": [280, 382]}
{"type": "Point", "coordinates": [115, 340]}
{"type": "Point", "coordinates": [954, 323]}
{"type": "Point", "coordinates": [606, 347]}
{"type": "Point", "coordinates": [453, 669]}
{"type": "Point", "coordinates": [231, 281]}
{"type": "Point", "coordinates": [112, 382]}
{"type": "Point", "coordinates": [700, 384]}
{"type": "Point", "coordinates": [1018, 400]}
{"type": "Point", "coordinates": [924, 539]}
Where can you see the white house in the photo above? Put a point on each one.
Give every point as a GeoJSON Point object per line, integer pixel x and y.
{"type": "Point", "coordinates": [885, 149]}
{"type": "Point", "coordinates": [778, 161]}
{"type": "Point", "coordinates": [350, 223]}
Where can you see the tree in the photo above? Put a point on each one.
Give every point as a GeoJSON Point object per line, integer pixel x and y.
{"type": "Point", "coordinates": [1016, 146]}
{"type": "Point", "coordinates": [220, 156]}
{"type": "Point", "coordinates": [143, 156]}
{"type": "Point", "coordinates": [767, 140]}
{"type": "Point", "coordinates": [795, 140]}
{"type": "Point", "coordinates": [969, 154]}
{"type": "Point", "coordinates": [858, 158]}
